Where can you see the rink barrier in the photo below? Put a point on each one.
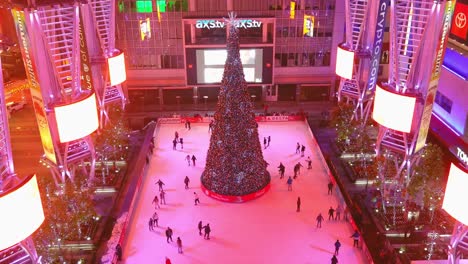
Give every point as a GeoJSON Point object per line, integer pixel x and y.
{"type": "Point", "coordinates": [139, 170]}
{"type": "Point", "coordinates": [341, 195]}
{"type": "Point", "coordinates": [233, 198]}
{"type": "Point", "coordinates": [206, 119]}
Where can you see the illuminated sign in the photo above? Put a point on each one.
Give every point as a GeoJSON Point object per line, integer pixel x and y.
{"type": "Point", "coordinates": [292, 10]}
{"type": "Point", "coordinates": [309, 23]}
{"type": "Point", "coordinates": [36, 95]}
{"type": "Point", "coordinates": [241, 23]}
{"type": "Point", "coordinates": [22, 212]}
{"type": "Point", "coordinates": [377, 45]}
{"type": "Point", "coordinates": [392, 110]}
{"type": "Point", "coordinates": [77, 120]}
{"type": "Point", "coordinates": [461, 155]}
{"type": "Point", "coordinates": [459, 23]}
{"type": "Point", "coordinates": [86, 77]}
{"type": "Point", "coordinates": [117, 71]}
{"type": "Point", "coordinates": [144, 6]}
{"type": "Point", "coordinates": [434, 82]}
{"type": "Point", "coordinates": [145, 29]}
{"type": "Point", "coordinates": [456, 195]}
{"type": "Point", "coordinates": [344, 63]}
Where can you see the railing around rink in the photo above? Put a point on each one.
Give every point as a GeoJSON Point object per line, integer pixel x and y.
{"type": "Point", "coordinates": [139, 170]}
{"type": "Point", "coordinates": [342, 194]}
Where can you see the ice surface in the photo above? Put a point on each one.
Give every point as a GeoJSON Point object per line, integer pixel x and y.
{"type": "Point", "coordinates": [265, 230]}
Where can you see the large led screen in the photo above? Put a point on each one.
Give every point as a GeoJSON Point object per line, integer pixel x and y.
{"type": "Point", "coordinates": [117, 73]}
{"type": "Point", "coordinates": [77, 120]}
{"type": "Point", "coordinates": [210, 65]}
{"type": "Point", "coordinates": [456, 194]}
{"type": "Point", "coordinates": [344, 63]}
{"type": "Point", "coordinates": [22, 212]}
{"type": "Point", "coordinates": [394, 111]}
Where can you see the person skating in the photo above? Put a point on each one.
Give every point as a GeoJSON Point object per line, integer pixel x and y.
{"type": "Point", "coordinates": [168, 234]}
{"type": "Point", "coordinates": [181, 141]}
{"type": "Point", "coordinates": [176, 135]}
{"type": "Point", "coordinates": [118, 252]}
{"type": "Point", "coordinates": [319, 220]}
{"type": "Point", "coordinates": [281, 170]}
{"type": "Point", "coordinates": [298, 148]}
{"type": "Point", "coordinates": [334, 260]}
{"type": "Point", "coordinates": [155, 219]}
{"type": "Point", "coordinates": [207, 230]}
{"type": "Point", "coordinates": [160, 183]}
{"type": "Point", "coordinates": [302, 150]}
{"type": "Point", "coordinates": [187, 158]}
{"type": "Point", "coordinates": [200, 227]}
{"type": "Point", "coordinates": [162, 195]}
{"type": "Point", "coordinates": [289, 182]}
{"type": "Point", "coordinates": [186, 181]}
{"type": "Point", "coordinates": [174, 144]}
{"type": "Point", "coordinates": [355, 237]}
{"type": "Point", "coordinates": [330, 188]}
{"type": "Point", "coordinates": [331, 212]}
{"type": "Point", "coordinates": [194, 159]}
{"type": "Point", "coordinates": [309, 163]}
{"type": "Point", "coordinates": [150, 224]}
{"type": "Point", "coordinates": [337, 247]}
{"type": "Point", "coordinates": [264, 143]}
{"type": "Point", "coordinates": [156, 202]}
{"type": "Point", "coordinates": [297, 169]}
{"type": "Point", "coordinates": [189, 125]}
{"type": "Point", "coordinates": [197, 199]}
{"type": "Point", "coordinates": [269, 140]}
{"type": "Point", "coordinates": [210, 126]}
{"type": "Point", "coordinates": [298, 204]}
{"type": "Point", "coordinates": [338, 213]}
{"type": "Point", "coordinates": [179, 245]}
{"type": "Point", "coordinates": [168, 261]}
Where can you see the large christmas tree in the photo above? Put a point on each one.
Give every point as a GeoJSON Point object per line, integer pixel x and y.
{"type": "Point", "coordinates": [234, 163]}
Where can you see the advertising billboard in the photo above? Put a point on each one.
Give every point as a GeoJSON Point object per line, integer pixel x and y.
{"type": "Point", "coordinates": [459, 21]}
{"type": "Point", "coordinates": [77, 120]}
{"type": "Point", "coordinates": [344, 63]}
{"type": "Point", "coordinates": [22, 212]}
{"type": "Point", "coordinates": [456, 194]}
{"type": "Point", "coordinates": [36, 94]}
{"type": "Point", "coordinates": [309, 24]}
{"type": "Point", "coordinates": [392, 110]}
{"type": "Point", "coordinates": [117, 73]}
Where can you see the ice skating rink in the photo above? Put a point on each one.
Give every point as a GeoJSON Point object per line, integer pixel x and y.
{"type": "Point", "coordinates": [265, 230]}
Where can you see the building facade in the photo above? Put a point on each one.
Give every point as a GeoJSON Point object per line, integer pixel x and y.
{"type": "Point", "coordinates": [175, 50]}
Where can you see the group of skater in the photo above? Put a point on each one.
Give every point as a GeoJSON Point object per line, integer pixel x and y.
{"type": "Point", "coordinates": [154, 219]}
{"type": "Point", "coordinates": [334, 213]}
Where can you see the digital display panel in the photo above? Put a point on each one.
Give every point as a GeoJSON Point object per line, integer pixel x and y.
{"type": "Point", "coordinates": [22, 212]}
{"type": "Point", "coordinates": [77, 120]}
{"type": "Point", "coordinates": [344, 63]}
{"type": "Point", "coordinates": [456, 195]}
{"type": "Point", "coordinates": [210, 65]}
{"type": "Point", "coordinates": [309, 24]}
{"type": "Point", "coordinates": [145, 29]}
{"type": "Point", "coordinates": [394, 111]}
{"type": "Point", "coordinates": [117, 72]}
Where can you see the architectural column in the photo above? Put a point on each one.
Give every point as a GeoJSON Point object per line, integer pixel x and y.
{"type": "Point", "coordinates": [230, 5]}
{"type": "Point", "coordinates": [160, 94]}
{"type": "Point", "coordinates": [192, 5]}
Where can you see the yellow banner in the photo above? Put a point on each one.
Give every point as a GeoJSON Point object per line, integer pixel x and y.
{"type": "Point", "coordinates": [309, 23]}
{"type": "Point", "coordinates": [36, 95]}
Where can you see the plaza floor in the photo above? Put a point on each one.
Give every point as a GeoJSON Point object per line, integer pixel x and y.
{"type": "Point", "coordinates": [265, 230]}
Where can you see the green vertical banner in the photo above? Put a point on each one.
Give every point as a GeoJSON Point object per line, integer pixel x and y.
{"type": "Point", "coordinates": [435, 76]}
{"type": "Point", "coordinates": [36, 94]}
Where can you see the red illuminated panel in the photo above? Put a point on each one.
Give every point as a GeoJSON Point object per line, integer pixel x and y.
{"type": "Point", "coordinates": [460, 21]}
{"type": "Point", "coordinates": [77, 120]}
{"type": "Point", "coordinates": [393, 110]}
{"type": "Point", "coordinates": [344, 63]}
{"type": "Point", "coordinates": [22, 212]}
{"type": "Point", "coordinates": [456, 195]}
{"type": "Point", "coordinates": [117, 71]}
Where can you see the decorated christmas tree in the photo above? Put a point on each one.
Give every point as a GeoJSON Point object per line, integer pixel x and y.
{"type": "Point", "coordinates": [234, 163]}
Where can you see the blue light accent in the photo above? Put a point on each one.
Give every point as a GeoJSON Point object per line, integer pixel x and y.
{"type": "Point", "coordinates": [456, 63]}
